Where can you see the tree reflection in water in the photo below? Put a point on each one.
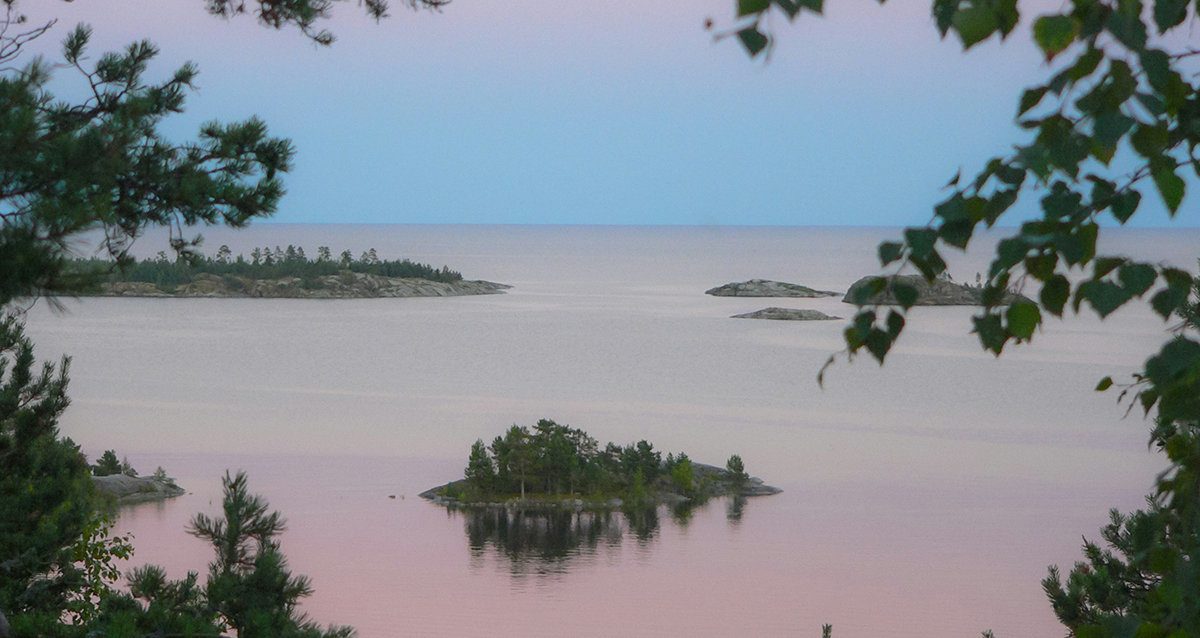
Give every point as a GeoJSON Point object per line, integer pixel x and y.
{"type": "Point", "coordinates": [550, 541]}
{"type": "Point", "coordinates": [734, 508]}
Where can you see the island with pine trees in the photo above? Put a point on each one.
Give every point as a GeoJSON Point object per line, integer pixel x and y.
{"type": "Point", "coordinates": [274, 273]}
{"type": "Point", "coordinates": [553, 465]}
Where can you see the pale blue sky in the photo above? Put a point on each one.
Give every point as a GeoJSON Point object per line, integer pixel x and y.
{"type": "Point", "coordinates": [612, 112]}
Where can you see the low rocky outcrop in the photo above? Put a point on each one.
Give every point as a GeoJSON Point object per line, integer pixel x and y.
{"type": "Point", "coordinates": [767, 288]}
{"type": "Point", "coordinates": [787, 314]}
{"type": "Point", "coordinates": [940, 292]}
{"type": "Point", "coordinates": [125, 490]}
{"type": "Point", "coordinates": [346, 285]}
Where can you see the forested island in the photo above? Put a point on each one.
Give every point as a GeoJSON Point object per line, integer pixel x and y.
{"type": "Point", "coordinates": [278, 272]}
{"type": "Point", "coordinates": [557, 465]}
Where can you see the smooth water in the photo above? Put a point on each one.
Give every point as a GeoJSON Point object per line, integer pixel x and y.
{"type": "Point", "coordinates": [926, 497]}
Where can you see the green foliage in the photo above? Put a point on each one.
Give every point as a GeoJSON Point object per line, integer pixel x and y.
{"type": "Point", "coordinates": [641, 457]}
{"type": "Point", "coordinates": [95, 553]}
{"type": "Point", "coordinates": [1120, 92]}
{"type": "Point", "coordinates": [737, 472]}
{"type": "Point", "coordinates": [102, 163]}
{"type": "Point", "coordinates": [160, 475]}
{"type": "Point", "coordinates": [249, 585]}
{"type": "Point", "coordinates": [45, 490]}
{"type": "Point", "coordinates": [1146, 581]}
{"type": "Point", "coordinates": [636, 496]}
{"type": "Point", "coordinates": [481, 471]}
{"type": "Point", "coordinates": [514, 459]}
{"type": "Point", "coordinates": [555, 460]}
{"type": "Point", "coordinates": [305, 14]}
{"type": "Point", "coordinates": [168, 273]}
{"type": "Point", "coordinates": [108, 464]}
{"type": "Point", "coordinates": [682, 475]}
{"type": "Point", "coordinates": [249, 588]}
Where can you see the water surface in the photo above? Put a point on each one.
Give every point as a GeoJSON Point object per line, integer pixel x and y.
{"type": "Point", "coordinates": [926, 497]}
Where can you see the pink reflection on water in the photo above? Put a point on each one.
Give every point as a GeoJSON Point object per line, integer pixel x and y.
{"type": "Point", "coordinates": [872, 559]}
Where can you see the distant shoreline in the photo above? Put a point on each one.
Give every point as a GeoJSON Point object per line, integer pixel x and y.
{"type": "Point", "coordinates": [347, 285]}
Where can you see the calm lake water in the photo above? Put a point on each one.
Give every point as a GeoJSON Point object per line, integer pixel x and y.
{"type": "Point", "coordinates": [924, 498]}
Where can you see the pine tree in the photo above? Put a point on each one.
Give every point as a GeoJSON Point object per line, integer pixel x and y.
{"type": "Point", "coordinates": [249, 583]}
{"type": "Point", "coordinates": [108, 464]}
{"type": "Point", "coordinates": [682, 474]}
{"type": "Point", "coordinates": [45, 491]}
{"type": "Point", "coordinates": [518, 457]}
{"type": "Point", "coordinates": [737, 473]}
{"type": "Point", "coordinates": [481, 472]}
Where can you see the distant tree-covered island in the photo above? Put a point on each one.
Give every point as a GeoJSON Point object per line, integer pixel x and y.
{"type": "Point", "coordinates": [274, 272]}
{"type": "Point", "coordinates": [553, 465]}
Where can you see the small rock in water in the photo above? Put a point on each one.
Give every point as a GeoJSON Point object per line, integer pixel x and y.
{"type": "Point", "coordinates": [787, 314]}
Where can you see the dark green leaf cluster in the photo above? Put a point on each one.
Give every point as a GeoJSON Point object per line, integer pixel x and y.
{"type": "Point", "coordinates": [108, 464]}
{"type": "Point", "coordinates": [305, 13]}
{"type": "Point", "coordinates": [102, 164]}
{"type": "Point", "coordinates": [264, 263]}
{"type": "Point", "coordinates": [249, 587]}
{"type": "Point", "coordinates": [553, 459]}
{"type": "Point", "coordinates": [55, 550]}
{"type": "Point", "coordinates": [45, 490]}
{"type": "Point", "coordinates": [1122, 90]}
{"type": "Point", "coordinates": [752, 13]}
{"type": "Point", "coordinates": [1147, 581]}
{"type": "Point", "coordinates": [737, 470]}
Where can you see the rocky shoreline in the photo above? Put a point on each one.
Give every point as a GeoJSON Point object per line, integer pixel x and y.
{"type": "Point", "coordinates": [127, 490]}
{"type": "Point", "coordinates": [346, 285]}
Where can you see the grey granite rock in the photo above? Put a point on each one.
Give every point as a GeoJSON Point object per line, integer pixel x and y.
{"type": "Point", "coordinates": [940, 292]}
{"type": "Point", "coordinates": [787, 314]}
{"type": "Point", "coordinates": [135, 489]}
{"type": "Point", "coordinates": [767, 288]}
